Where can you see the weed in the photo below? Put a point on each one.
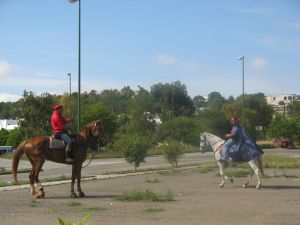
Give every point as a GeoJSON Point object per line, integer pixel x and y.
{"type": "Point", "coordinates": [169, 172]}
{"type": "Point", "coordinates": [33, 203]}
{"type": "Point", "coordinates": [91, 209]}
{"type": "Point", "coordinates": [237, 173]}
{"type": "Point", "coordinates": [83, 221]}
{"type": "Point", "coordinates": [154, 210]}
{"type": "Point", "coordinates": [147, 195]}
{"type": "Point", "coordinates": [73, 204]}
{"type": "Point", "coordinates": [153, 180]}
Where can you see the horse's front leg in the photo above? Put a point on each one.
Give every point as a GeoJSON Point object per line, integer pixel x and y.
{"type": "Point", "coordinates": [222, 170]}
{"type": "Point", "coordinates": [78, 176]}
{"type": "Point", "coordinates": [73, 194]}
{"type": "Point", "coordinates": [257, 173]}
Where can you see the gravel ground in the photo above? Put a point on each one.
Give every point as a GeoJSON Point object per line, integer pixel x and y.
{"type": "Point", "coordinates": [197, 200]}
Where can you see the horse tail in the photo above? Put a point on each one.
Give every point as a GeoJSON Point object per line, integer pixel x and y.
{"type": "Point", "coordinates": [16, 158]}
{"type": "Point", "coordinates": [260, 165]}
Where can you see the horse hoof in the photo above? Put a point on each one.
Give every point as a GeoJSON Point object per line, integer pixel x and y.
{"type": "Point", "coordinates": [73, 195]}
{"type": "Point", "coordinates": [231, 180]}
{"type": "Point", "coordinates": [222, 185]}
{"type": "Point", "coordinates": [244, 186]}
{"type": "Point", "coordinates": [258, 187]}
{"type": "Point", "coordinates": [81, 194]}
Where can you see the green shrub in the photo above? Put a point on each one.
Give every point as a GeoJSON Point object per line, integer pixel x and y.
{"type": "Point", "coordinates": [172, 150]}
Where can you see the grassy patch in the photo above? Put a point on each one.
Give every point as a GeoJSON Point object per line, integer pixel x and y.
{"type": "Point", "coordinates": [154, 210]}
{"type": "Point", "coordinates": [207, 168]}
{"type": "Point", "coordinates": [83, 221]}
{"type": "Point", "coordinates": [237, 173]}
{"type": "Point", "coordinates": [91, 209]}
{"type": "Point", "coordinates": [73, 204]}
{"type": "Point", "coordinates": [147, 195]}
{"type": "Point", "coordinates": [33, 203]}
{"type": "Point", "coordinates": [155, 180]}
{"type": "Point", "coordinates": [280, 161]}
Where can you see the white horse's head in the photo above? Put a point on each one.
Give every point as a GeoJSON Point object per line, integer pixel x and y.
{"type": "Point", "coordinates": [208, 140]}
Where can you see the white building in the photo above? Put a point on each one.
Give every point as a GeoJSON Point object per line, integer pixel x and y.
{"type": "Point", "coordinates": [278, 102]}
{"type": "Point", "coordinates": [8, 124]}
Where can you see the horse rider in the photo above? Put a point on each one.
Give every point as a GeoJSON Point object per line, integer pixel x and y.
{"type": "Point", "coordinates": [58, 123]}
{"type": "Point", "coordinates": [242, 146]}
{"type": "Point", "coordinates": [233, 137]}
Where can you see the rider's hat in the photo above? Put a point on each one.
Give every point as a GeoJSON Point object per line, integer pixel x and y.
{"type": "Point", "coordinates": [57, 107]}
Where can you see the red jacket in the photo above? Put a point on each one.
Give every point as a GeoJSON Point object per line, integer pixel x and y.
{"type": "Point", "coordinates": [58, 123]}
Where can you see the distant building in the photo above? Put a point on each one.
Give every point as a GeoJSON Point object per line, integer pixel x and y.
{"type": "Point", "coordinates": [8, 124]}
{"type": "Point", "coordinates": [279, 102]}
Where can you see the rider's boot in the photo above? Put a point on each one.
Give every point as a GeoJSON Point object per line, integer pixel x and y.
{"type": "Point", "coordinates": [69, 155]}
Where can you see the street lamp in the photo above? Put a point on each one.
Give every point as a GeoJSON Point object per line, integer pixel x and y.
{"type": "Point", "coordinates": [70, 94]}
{"type": "Point", "coordinates": [79, 61]}
{"type": "Point", "coordinates": [243, 80]}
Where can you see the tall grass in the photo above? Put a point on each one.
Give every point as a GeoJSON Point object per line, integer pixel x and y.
{"type": "Point", "coordinates": [281, 161]}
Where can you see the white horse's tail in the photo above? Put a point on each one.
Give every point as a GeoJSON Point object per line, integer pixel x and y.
{"type": "Point", "coordinates": [260, 165]}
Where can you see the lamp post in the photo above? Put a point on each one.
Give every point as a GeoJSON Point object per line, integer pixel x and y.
{"type": "Point", "coordinates": [70, 94]}
{"type": "Point", "coordinates": [243, 81]}
{"type": "Point", "coordinates": [172, 108]}
{"type": "Point", "coordinates": [79, 61]}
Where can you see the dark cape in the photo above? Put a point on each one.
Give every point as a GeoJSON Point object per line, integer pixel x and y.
{"type": "Point", "coordinates": [244, 148]}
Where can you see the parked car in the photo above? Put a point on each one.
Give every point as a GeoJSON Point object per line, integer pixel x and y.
{"type": "Point", "coordinates": [283, 142]}
{"type": "Point", "coordinates": [6, 149]}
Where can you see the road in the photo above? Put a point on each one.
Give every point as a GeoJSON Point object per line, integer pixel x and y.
{"type": "Point", "coordinates": [111, 165]}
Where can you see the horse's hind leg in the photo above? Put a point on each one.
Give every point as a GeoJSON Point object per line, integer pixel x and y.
{"type": "Point", "coordinates": [249, 179]}
{"type": "Point", "coordinates": [80, 192]}
{"type": "Point", "coordinates": [31, 181]}
{"type": "Point", "coordinates": [38, 167]}
{"type": "Point", "coordinates": [257, 173]}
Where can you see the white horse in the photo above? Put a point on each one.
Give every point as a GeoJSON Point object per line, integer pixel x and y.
{"type": "Point", "coordinates": [216, 143]}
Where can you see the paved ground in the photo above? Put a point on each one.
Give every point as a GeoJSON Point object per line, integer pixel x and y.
{"type": "Point", "coordinates": [198, 200]}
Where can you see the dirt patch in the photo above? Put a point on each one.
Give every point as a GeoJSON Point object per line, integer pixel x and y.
{"type": "Point", "coordinates": [198, 200]}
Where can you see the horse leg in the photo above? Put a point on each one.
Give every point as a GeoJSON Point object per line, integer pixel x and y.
{"type": "Point", "coordinates": [73, 194]}
{"type": "Point", "coordinates": [80, 192]}
{"type": "Point", "coordinates": [31, 180]}
{"type": "Point", "coordinates": [222, 170]}
{"type": "Point", "coordinates": [249, 179]}
{"type": "Point", "coordinates": [38, 167]}
{"type": "Point", "coordinates": [257, 173]}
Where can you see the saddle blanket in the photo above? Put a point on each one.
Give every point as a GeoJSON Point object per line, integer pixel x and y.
{"type": "Point", "coordinates": [55, 143]}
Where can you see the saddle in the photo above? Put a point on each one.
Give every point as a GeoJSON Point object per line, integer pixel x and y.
{"type": "Point", "coordinates": [56, 143]}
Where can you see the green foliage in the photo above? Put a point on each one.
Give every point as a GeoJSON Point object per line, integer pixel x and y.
{"type": "Point", "coordinates": [154, 210]}
{"type": "Point", "coordinates": [172, 151]}
{"type": "Point", "coordinates": [83, 221]}
{"type": "Point", "coordinates": [293, 110]}
{"type": "Point", "coordinates": [14, 137]}
{"type": "Point", "coordinates": [284, 127]}
{"type": "Point", "coordinates": [215, 100]}
{"type": "Point", "coordinates": [147, 195]}
{"type": "Point", "coordinates": [36, 113]}
{"type": "Point", "coordinates": [100, 111]}
{"type": "Point", "coordinates": [134, 148]}
{"type": "Point", "coordinates": [3, 136]}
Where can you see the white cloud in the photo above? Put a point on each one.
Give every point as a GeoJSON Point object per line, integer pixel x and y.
{"type": "Point", "coordinates": [165, 59]}
{"type": "Point", "coordinates": [258, 63]}
{"type": "Point", "coordinates": [6, 97]}
{"type": "Point", "coordinates": [5, 69]}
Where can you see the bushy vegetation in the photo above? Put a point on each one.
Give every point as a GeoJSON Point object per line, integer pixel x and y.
{"type": "Point", "coordinates": [163, 112]}
{"type": "Point", "coordinates": [172, 150]}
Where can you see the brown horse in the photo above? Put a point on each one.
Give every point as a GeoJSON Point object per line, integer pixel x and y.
{"type": "Point", "coordinates": [37, 150]}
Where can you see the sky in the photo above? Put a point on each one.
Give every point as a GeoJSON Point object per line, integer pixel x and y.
{"type": "Point", "coordinates": [140, 42]}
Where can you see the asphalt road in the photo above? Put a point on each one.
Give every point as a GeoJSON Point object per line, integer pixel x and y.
{"type": "Point", "coordinates": [111, 165]}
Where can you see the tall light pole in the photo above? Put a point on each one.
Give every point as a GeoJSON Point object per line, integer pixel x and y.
{"type": "Point", "coordinates": [79, 61]}
{"type": "Point", "coordinates": [243, 82]}
{"type": "Point", "coordinates": [172, 109]}
{"type": "Point", "coordinates": [70, 94]}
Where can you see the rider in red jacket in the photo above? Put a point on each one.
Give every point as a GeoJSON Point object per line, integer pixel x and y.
{"type": "Point", "coordinates": [58, 123]}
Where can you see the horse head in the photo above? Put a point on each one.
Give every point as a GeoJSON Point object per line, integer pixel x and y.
{"type": "Point", "coordinates": [96, 130]}
{"type": "Point", "coordinates": [203, 142]}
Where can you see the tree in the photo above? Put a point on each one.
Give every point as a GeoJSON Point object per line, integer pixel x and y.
{"type": "Point", "coordinates": [199, 102]}
{"type": "Point", "coordinates": [293, 110]}
{"type": "Point", "coordinates": [215, 100]}
{"type": "Point", "coordinates": [100, 111]}
{"type": "Point", "coordinates": [14, 137]}
{"type": "Point", "coordinates": [134, 148]}
{"type": "Point", "coordinates": [3, 136]}
{"type": "Point", "coordinates": [256, 112]}
{"type": "Point", "coordinates": [35, 114]}
{"type": "Point", "coordinates": [284, 127]}
{"type": "Point", "coordinates": [171, 99]}
{"type": "Point", "coordinates": [172, 151]}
